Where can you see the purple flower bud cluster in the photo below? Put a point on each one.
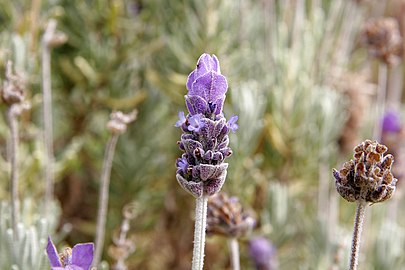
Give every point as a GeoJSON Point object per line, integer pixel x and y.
{"type": "Point", "coordinates": [201, 169]}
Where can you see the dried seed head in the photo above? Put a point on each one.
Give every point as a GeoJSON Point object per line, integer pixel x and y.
{"type": "Point", "coordinates": [368, 175]}
{"type": "Point", "coordinates": [12, 91]}
{"type": "Point", "coordinates": [119, 121]}
{"type": "Point", "coordinates": [383, 39]}
{"type": "Point", "coordinates": [226, 217]}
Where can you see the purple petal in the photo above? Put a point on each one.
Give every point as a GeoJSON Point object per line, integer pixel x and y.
{"type": "Point", "coordinates": [219, 104]}
{"type": "Point", "coordinates": [190, 80]}
{"type": "Point", "coordinates": [181, 121]}
{"type": "Point", "coordinates": [211, 86]}
{"type": "Point", "coordinates": [195, 123]}
{"type": "Point", "coordinates": [53, 254]}
{"type": "Point", "coordinates": [82, 255]}
{"type": "Point", "coordinates": [232, 123]}
{"type": "Point", "coordinates": [196, 104]}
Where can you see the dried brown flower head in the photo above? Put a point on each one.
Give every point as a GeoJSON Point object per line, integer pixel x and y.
{"type": "Point", "coordinates": [367, 177]}
{"type": "Point", "coordinates": [383, 39]}
{"type": "Point", "coordinates": [225, 216]}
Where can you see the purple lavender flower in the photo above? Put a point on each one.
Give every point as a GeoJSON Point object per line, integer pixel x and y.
{"type": "Point", "coordinates": [182, 120]}
{"type": "Point", "coordinates": [391, 122]}
{"type": "Point", "coordinates": [78, 258]}
{"type": "Point", "coordinates": [205, 130]}
{"type": "Point", "coordinates": [263, 254]}
{"type": "Point", "coordinates": [195, 123]}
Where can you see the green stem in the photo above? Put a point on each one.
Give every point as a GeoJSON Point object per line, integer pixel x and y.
{"type": "Point", "coordinates": [47, 112]}
{"type": "Point", "coordinates": [103, 198]}
{"type": "Point", "coordinates": [234, 247]}
{"type": "Point", "coordinates": [13, 158]}
{"type": "Point", "coordinates": [358, 227]}
{"type": "Point", "coordinates": [199, 232]}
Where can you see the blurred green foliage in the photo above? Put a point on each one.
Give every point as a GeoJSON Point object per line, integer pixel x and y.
{"type": "Point", "coordinates": [282, 60]}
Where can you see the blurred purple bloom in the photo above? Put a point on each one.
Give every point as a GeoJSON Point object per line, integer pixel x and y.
{"type": "Point", "coordinates": [78, 258]}
{"type": "Point", "coordinates": [181, 121]}
{"type": "Point", "coordinates": [391, 122]}
{"type": "Point", "coordinates": [232, 123]}
{"type": "Point", "coordinates": [195, 123]}
{"type": "Point", "coordinates": [263, 254]}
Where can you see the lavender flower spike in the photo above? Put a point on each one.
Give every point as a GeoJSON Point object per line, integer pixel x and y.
{"type": "Point", "coordinates": [205, 130]}
{"type": "Point", "coordinates": [78, 258]}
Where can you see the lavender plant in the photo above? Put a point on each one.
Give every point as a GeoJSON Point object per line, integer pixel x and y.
{"type": "Point", "coordinates": [201, 169]}
{"type": "Point", "coordinates": [27, 252]}
{"type": "Point", "coordinates": [365, 179]}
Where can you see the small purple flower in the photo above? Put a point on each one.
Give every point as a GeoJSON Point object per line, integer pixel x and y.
{"type": "Point", "coordinates": [263, 254]}
{"type": "Point", "coordinates": [78, 258]}
{"type": "Point", "coordinates": [391, 122]}
{"type": "Point", "coordinates": [182, 164]}
{"type": "Point", "coordinates": [195, 123]}
{"type": "Point", "coordinates": [232, 123]}
{"type": "Point", "coordinates": [182, 120]}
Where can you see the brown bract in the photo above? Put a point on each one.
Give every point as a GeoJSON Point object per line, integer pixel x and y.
{"type": "Point", "coordinates": [366, 177]}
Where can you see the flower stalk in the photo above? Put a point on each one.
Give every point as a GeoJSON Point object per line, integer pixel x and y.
{"type": "Point", "coordinates": [234, 248]}
{"type": "Point", "coordinates": [103, 197]}
{"type": "Point", "coordinates": [117, 126]}
{"type": "Point", "coordinates": [13, 96]}
{"type": "Point", "coordinates": [13, 157]}
{"type": "Point", "coordinates": [357, 230]}
{"type": "Point", "coordinates": [199, 232]}
{"type": "Point", "coordinates": [51, 39]}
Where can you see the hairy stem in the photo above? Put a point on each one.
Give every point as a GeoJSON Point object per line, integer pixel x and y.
{"type": "Point", "coordinates": [199, 232]}
{"type": "Point", "coordinates": [234, 247]}
{"type": "Point", "coordinates": [47, 112]}
{"type": "Point", "coordinates": [381, 95]}
{"type": "Point", "coordinates": [358, 227]}
{"type": "Point", "coordinates": [103, 198]}
{"type": "Point", "coordinates": [13, 158]}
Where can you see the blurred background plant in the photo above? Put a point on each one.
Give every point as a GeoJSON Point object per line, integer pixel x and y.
{"type": "Point", "coordinates": [300, 80]}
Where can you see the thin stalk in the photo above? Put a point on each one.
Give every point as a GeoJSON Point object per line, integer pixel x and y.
{"type": "Point", "coordinates": [47, 112]}
{"type": "Point", "coordinates": [103, 198]}
{"type": "Point", "coordinates": [234, 247]}
{"type": "Point", "coordinates": [358, 227]}
{"type": "Point", "coordinates": [199, 232]}
{"type": "Point", "coordinates": [13, 157]}
{"type": "Point", "coordinates": [381, 95]}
